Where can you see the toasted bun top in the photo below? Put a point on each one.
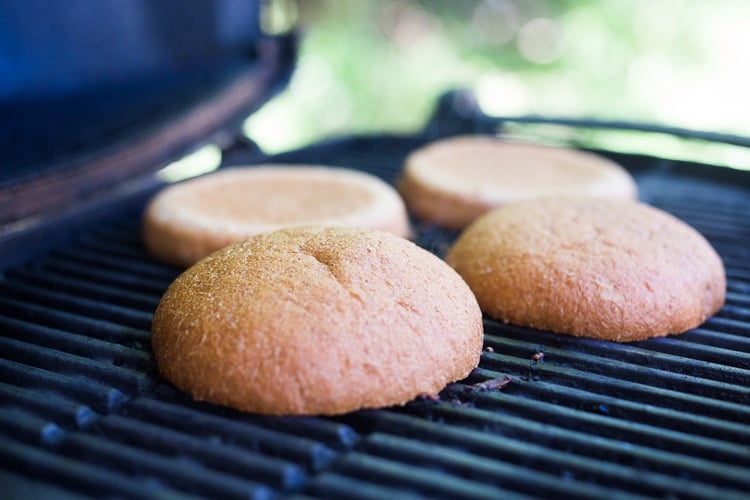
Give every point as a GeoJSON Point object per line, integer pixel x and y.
{"type": "Point", "coordinates": [317, 321]}
{"type": "Point", "coordinates": [616, 270]}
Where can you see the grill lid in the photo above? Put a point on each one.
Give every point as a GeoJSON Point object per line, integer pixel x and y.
{"type": "Point", "coordinates": [121, 90]}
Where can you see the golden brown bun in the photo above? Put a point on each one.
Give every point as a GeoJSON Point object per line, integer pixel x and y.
{"type": "Point", "coordinates": [612, 270]}
{"type": "Point", "coordinates": [453, 181]}
{"type": "Point", "coordinates": [187, 221]}
{"type": "Point", "coordinates": [317, 321]}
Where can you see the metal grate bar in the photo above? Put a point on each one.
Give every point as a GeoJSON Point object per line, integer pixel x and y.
{"type": "Point", "coordinates": [123, 379]}
{"type": "Point", "coordinates": [151, 466]}
{"type": "Point", "coordinates": [497, 445]}
{"type": "Point", "coordinates": [54, 407]}
{"type": "Point", "coordinates": [312, 454]}
{"type": "Point", "coordinates": [336, 435]}
{"type": "Point", "coordinates": [95, 328]}
{"type": "Point", "coordinates": [97, 396]}
{"type": "Point", "coordinates": [123, 280]}
{"type": "Point", "coordinates": [415, 478]}
{"type": "Point", "coordinates": [611, 385]}
{"type": "Point", "coordinates": [634, 412]}
{"type": "Point", "coordinates": [84, 288]}
{"type": "Point", "coordinates": [480, 469]}
{"type": "Point", "coordinates": [658, 377]}
{"type": "Point", "coordinates": [594, 445]}
{"type": "Point", "coordinates": [699, 352]}
{"type": "Point", "coordinates": [66, 301]}
{"type": "Point", "coordinates": [637, 364]}
{"type": "Point", "coordinates": [43, 464]}
{"type": "Point", "coordinates": [213, 455]}
{"type": "Point", "coordinates": [602, 423]}
{"type": "Point", "coordinates": [80, 345]}
{"type": "Point", "coordinates": [116, 264]}
{"type": "Point", "coordinates": [332, 485]}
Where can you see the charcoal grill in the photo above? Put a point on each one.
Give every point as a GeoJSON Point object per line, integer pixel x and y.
{"type": "Point", "coordinates": [83, 412]}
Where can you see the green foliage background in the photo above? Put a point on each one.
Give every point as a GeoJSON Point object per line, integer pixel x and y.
{"type": "Point", "coordinates": [376, 65]}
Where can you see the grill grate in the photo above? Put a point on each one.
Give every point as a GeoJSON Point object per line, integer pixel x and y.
{"type": "Point", "coordinates": [83, 411]}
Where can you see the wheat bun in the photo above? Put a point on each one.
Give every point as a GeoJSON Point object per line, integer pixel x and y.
{"type": "Point", "coordinates": [187, 221]}
{"type": "Point", "coordinates": [453, 181]}
{"type": "Point", "coordinates": [612, 270]}
{"type": "Point", "coordinates": [317, 321]}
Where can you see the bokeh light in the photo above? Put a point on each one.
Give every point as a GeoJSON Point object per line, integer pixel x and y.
{"type": "Point", "coordinates": [373, 66]}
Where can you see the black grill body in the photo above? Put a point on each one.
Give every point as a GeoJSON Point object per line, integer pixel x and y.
{"type": "Point", "coordinates": [85, 414]}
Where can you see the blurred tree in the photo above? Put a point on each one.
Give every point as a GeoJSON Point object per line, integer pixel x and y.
{"type": "Point", "coordinates": [380, 65]}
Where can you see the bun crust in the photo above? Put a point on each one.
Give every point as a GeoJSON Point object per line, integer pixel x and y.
{"type": "Point", "coordinates": [453, 181]}
{"type": "Point", "coordinates": [317, 321]}
{"type": "Point", "coordinates": [589, 267]}
{"type": "Point", "coordinates": [187, 221]}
